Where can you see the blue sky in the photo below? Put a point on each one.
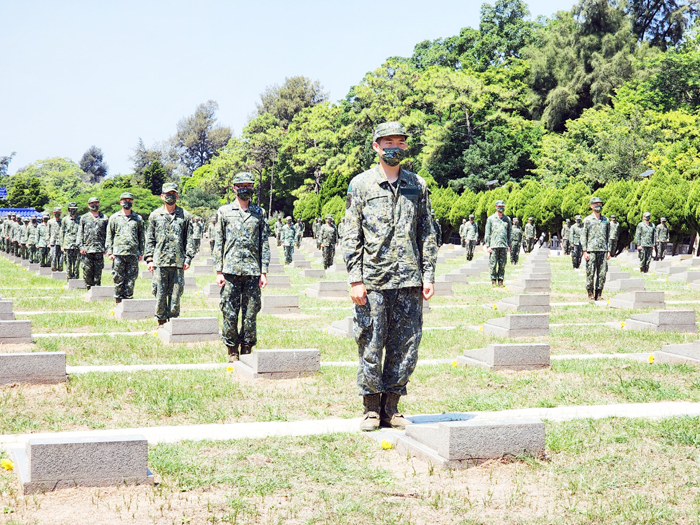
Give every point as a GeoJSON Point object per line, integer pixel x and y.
{"type": "Point", "coordinates": [78, 73]}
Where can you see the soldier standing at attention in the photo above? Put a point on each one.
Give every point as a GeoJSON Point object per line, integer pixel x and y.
{"type": "Point", "coordinates": [497, 239]}
{"type": "Point", "coordinates": [594, 244]}
{"type": "Point", "coordinates": [288, 236]}
{"type": "Point", "coordinates": [614, 235]}
{"type": "Point", "coordinates": [437, 227]}
{"type": "Point", "coordinates": [211, 233]}
{"type": "Point", "coordinates": [24, 237]}
{"type": "Point", "coordinates": [463, 233]}
{"type": "Point", "coordinates": [315, 227]}
{"type": "Point", "coordinates": [516, 239]}
{"type": "Point", "coordinates": [55, 241]}
{"type": "Point", "coordinates": [125, 247]}
{"type": "Point", "coordinates": [92, 236]}
{"type": "Point", "coordinates": [328, 238]}
{"type": "Point", "coordinates": [197, 231]}
{"type": "Point", "coordinates": [471, 236]}
{"type": "Point", "coordinates": [661, 236]}
{"type": "Point", "coordinates": [31, 240]}
{"type": "Point", "coordinates": [530, 234]}
{"type": "Point", "coordinates": [241, 258]}
{"type": "Point", "coordinates": [278, 231]}
{"type": "Point", "coordinates": [565, 232]}
{"type": "Point", "coordinates": [42, 241]}
{"type": "Point", "coordinates": [575, 241]}
{"type": "Point", "coordinates": [169, 252]}
{"type": "Point", "coordinates": [390, 252]}
{"type": "Point", "coordinates": [16, 236]}
{"type": "Point", "coordinates": [299, 232]}
{"type": "Point", "coordinates": [644, 239]}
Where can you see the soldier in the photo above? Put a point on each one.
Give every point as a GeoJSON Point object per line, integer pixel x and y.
{"type": "Point", "coordinates": [314, 228]}
{"type": "Point", "coordinates": [55, 241]}
{"type": "Point", "coordinates": [340, 229]}
{"type": "Point", "coordinates": [125, 247]}
{"type": "Point", "coordinates": [24, 237]}
{"type": "Point", "coordinates": [278, 231]}
{"type": "Point", "coordinates": [211, 233]}
{"type": "Point", "coordinates": [288, 236]}
{"type": "Point", "coordinates": [390, 252]}
{"type": "Point", "coordinates": [644, 239]}
{"type": "Point", "coordinates": [2, 232]}
{"type": "Point", "coordinates": [13, 235]}
{"type": "Point", "coordinates": [516, 239]}
{"type": "Point", "coordinates": [565, 232]}
{"type": "Point", "coordinates": [92, 237]}
{"type": "Point", "coordinates": [463, 234]}
{"type": "Point", "coordinates": [318, 225]}
{"type": "Point", "coordinates": [497, 239]}
{"type": "Point", "coordinates": [575, 242]}
{"type": "Point", "coordinates": [197, 231]}
{"type": "Point", "coordinates": [530, 234]}
{"type": "Point", "coordinates": [299, 232]}
{"type": "Point", "coordinates": [614, 235]}
{"type": "Point", "coordinates": [31, 240]}
{"type": "Point", "coordinates": [594, 244]}
{"type": "Point", "coordinates": [169, 252]}
{"type": "Point", "coordinates": [328, 238]}
{"type": "Point", "coordinates": [471, 232]}
{"type": "Point", "coordinates": [437, 228]}
{"type": "Point", "coordinates": [69, 240]}
{"type": "Point", "coordinates": [661, 236]}
{"type": "Point", "coordinates": [42, 241]}
{"type": "Point", "coordinates": [242, 257]}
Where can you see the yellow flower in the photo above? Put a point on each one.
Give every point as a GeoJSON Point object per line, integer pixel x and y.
{"type": "Point", "coordinates": [651, 359]}
{"type": "Point", "coordinates": [7, 464]}
{"type": "Point", "coordinates": [481, 329]}
{"type": "Point", "coordinates": [608, 301]}
{"type": "Point", "coordinates": [454, 364]}
{"type": "Point", "coordinates": [229, 369]}
{"type": "Point", "coordinates": [666, 279]}
{"type": "Point", "coordinates": [622, 324]}
{"type": "Point", "coordinates": [199, 293]}
{"type": "Point", "coordinates": [111, 312]}
{"type": "Point", "coordinates": [386, 445]}
{"type": "Point", "coordinates": [155, 333]}
{"type": "Point", "coordinates": [495, 307]}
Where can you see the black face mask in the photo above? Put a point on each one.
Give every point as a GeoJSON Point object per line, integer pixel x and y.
{"type": "Point", "coordinates": [244, 193]}
{"type": "Point", "coordinates": [73, 212]}
{"type": "Point", "coordinates": [170, 199]}
{"type": "Point", "coordinates": [94, 207]}
{"type": "Point", "coordinates": [127, 205]}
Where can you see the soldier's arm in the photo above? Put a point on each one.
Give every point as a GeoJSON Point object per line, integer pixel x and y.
{"type": "Point", "coordinates": [487, 234]}
{"type": "Point", "coordinates": [141, 237]}
{"type": "Point", "coordinates": [219, 242]}
{"type": "Point", "coordinates": [638, 235]}
{"type": "Point", "coordinates": [353, 240]}
{"type": "Point", "coordinates": [427, 235]}
{"type": "Point", "coordinates": [150, 239]}
{"type": "Point", "coordinates": [189, 242]}
{"type": "Point", "coordinates": [583, 239]}
{"type": "Point", "coordinates": [509, 232]}
{"type": "Point", "coordinates": [79, 240]}
{"type": "Point", "coordinates": [109, 241]}
{"type": "Point", "coordinates": [265, 245]}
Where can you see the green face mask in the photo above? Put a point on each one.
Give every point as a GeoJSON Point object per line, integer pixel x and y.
{"type": "Point", "coordinates": [392, 156]}
{"type": "Point", "coordinates": [597, 208]}
{"type": "Point", "coordinates": [244, 193]}
{"type": "Point", "coordinates": [170, 199]}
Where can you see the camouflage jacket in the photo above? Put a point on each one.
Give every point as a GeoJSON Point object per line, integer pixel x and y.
{"type": "Point", "coordinates": [644, 236]}
{"type": "Point", "coordinates": [565, 232]}
{"type": "Point", "coordinates": [126, 234]}
{"type": "Point", "coordinates": [14, 232]}
{"type": "Point", "coordinates": [211, 232]}
{"type": "Point", "coordinates": [300, 230]}
{"type": "Point", "coordinates": [471, 232]}
{"type": "Point", "coordinates": [278, 228]}
{"type": "Point", "coordinates": [24, 234]}
{"type": "Point", "coordinates": [575, 234]}
{"type": "Point", "coordinates": [516, 236]}
{"type": "Point", "coordinates": [242, 240]}
{"type": "Point", "coordinates": [595, 234]}
{"type": "Point", "coordinates": [315, 227]}
{"type": "Point", "coordinates": [462, 230]}
{"type": "Point", "coordinates": [498, 231]}
{"type": "Point", "coordinates": [438, 232]}
{"type": "Point", "coordinates": [169, 240]}
{"type": "Point", "coordinates": [54, 231]}
{"type": "Point", "coordinates": [31, 234]}
{"type": "Point", "coordinates": [197, 230]}
{"type": "Point", "coordinates": [288, 235]}
{"type": "Point", "coordinates": [69, 232]}
{"type": "Point", "coordinates": [388, 236]}
{"type": "Point", "coordinates": [530, 231]}
{"type": "Point", "coordinates": [92, 233]}
{"type": "Point", "coordinates": [661, 233]}
{"type": "Point", "coordinates": [42, 235]}
{"type": "Point", "coordinates": [327, 235]}
{"type": "Point", "coordinates": [614, 230]}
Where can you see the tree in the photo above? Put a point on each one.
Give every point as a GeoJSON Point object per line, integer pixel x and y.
{"type": "Point", "coordinates": [285, 101]}
{"type": "Point", "coordinates": [5, 163]}
{"type": "Point", "coordinates": [154, 176]}
{"type": "Point", "coordinates": [198, 137]}
{"type": "Point", "coordinates": [61, 178]}
{"type": "Point", "coordinates": [662, 22]}
{"type": "Point", "coordinates": [27, 192]}
{"type": "Point", "coordinates": [162, 152]}
{"type": "Point", "coordinates": [93, 165]}
{"type": "Point", "coordinates": [504, 31]}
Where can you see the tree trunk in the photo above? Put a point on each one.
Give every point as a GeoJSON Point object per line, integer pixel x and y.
{"type": "Point", "coordinates": [272, 179]}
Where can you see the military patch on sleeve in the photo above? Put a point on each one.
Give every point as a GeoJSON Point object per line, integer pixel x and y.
{"type": "Point", "coordinates": [410, 193]}
{"type": "Point", "coordinates": [348, 201]}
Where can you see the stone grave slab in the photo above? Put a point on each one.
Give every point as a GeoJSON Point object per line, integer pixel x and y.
{"type": "Point", "coordinates": [48, 464]}
{"type": "Point", "coordinates": [6, 313]}
{"type": "Point", "coordinates": [25, 263]}
{"type": "Point", "coordinates": [338, 268]}
{"type": "Point", "coordinates": [203, 269]}
{"type": "Point", "coordinates": [33, 367]}
{"type": "Point", "coordinates": [190, 282]}
{"type": "Point", "coordinates": [677, 354]}
{"type": "Point", "coordinates": [145, 274]}
{"type": "Point", "coordinates": [279, 363]}
{"type": "Point", "coordinates": [453, 277]}
{"type": "Point", "coordinates": [100, 293]}
{"type": "Point", "coordinates": [189, 330]}
{"type": "Point", "coordinates": [518, 325]}
{"type": "Point", "coordinates": [663, 321]}
{"type": "Point", "coordinates": [280, 304]}
{"type": "Point", "coordinates": [34, 267]}
{"type": "Point", "coordinates": [537, 302]}
{"type": "Point", "coordinates": [685, 277]}
{"type": "Point", "coordinates": [275, 269]}
{"type": "Point", "coordinates": [638, 300]}
{"type": "Point", "coordinates": [509, 356]}
{"type": "Point", "coordinates": [342, 328]}
{"type": "Point", "coordinates": [626, 285]}
{"type": "Point", "coordinates": [14, 332]}
{"type": "Point", "coordinates": [135, 309]}
{"type": "Point", "coordinates": [278, 281]}
{"type": "Point", "coordinates": [670, 270]}
{"type": "Point", "coordinates": [531, 285]}
{"type": "Point", "coordinates": [315, 274]}
{"type": "Point", "coordinates": [44, 271]}
{"type": "Point", "coordinates": [76, 284]}
{"type": "Point", "coordinates": [655, 266]}
{"type": "Point", "coordinates": [443, 288]}
{"type": "Point", "coordinates": [616, 275]}
{"type": "Point", "coordinates": [212, 291]}
{"type": "Point", "coordinates": [688, 263]}
{"type": "Point", "coordinates": [329, 290]}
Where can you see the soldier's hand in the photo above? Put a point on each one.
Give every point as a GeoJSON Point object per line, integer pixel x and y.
{"type": "Point", "coordinates": [111, 256]}
{"type": "Point", "coordinates": [263, 280]}
{"type": "Point", "coordinates": [488, 249]}
{"type": "Point", "coordinates": [185, 266]}
{"type": "Point", "coordinates": [220, 280]}
{"type": "Point", "coordinates": [428, 291]}
{"type": "Point", "coordinates": [150, 266]}
{"type": "Point", "coordinates": [639, 248]}
{"type": "Point", "coordinates": [607, 257]}
{"type": "Point", "coordinates": [82, 252]}
{"type": "Point", "coordinates": [586, 256]}
{"type": "Point", "coordinates": [140, 258]}
{"type": "Point", "coordinates": [358, 293]}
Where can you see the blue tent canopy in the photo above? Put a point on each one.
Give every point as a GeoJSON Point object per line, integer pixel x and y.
{"type": "Point", "coordinates": [22, 212]}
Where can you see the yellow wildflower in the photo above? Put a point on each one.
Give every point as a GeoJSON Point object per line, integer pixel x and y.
{"type": "Point", "coordinates": [386, 445]}
{"type": "Point", "coordinates": [454, 364]}
{"type": "Point", "coordinates": [7, 464]}
{"type": "Point", "coordinates": [481, 329]}
{"type": "Point", "coordinates": [229, 369]}
{"type": "Point", "coordinates": [622, 324]}
{"type": "Point", "coordinates": [111, 312]}
{"type": "Point", "coordinates": [651, 359]}
{"type": "Point", "coordinates": [495, 307]}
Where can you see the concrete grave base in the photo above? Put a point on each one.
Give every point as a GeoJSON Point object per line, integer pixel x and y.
{"type": "Point", "coordinates": [145, 274]}
{"type": "Point", "coordinates": [329, 290]}
{"type": "Point", "coordinates": [33, 367]}
{"type": "Point", "coordinates": [34, 267]}
{"type": "Point", "coordinates": [135, 309]}
{"type": "Point", "coordinates": [337, 268]}
{"type": "Point", "coordinates": [6, 313]}
{"type": "Point", "coordinates": [526, 303]}
{"type": "Point", "coordinates": [518, 325]}
{"type": "Point", "coordinates": [212, 291]}
{"type": "Point", "coordinates": [59, 276]}
{"type": "Point", "coordinates": [203, 269]}
{"type": "Point", "coordinates": [278, 281]}
{"type": "Point", "coordinates": [100, 293]}
{"type": "Point", "coordinates": [626, 285]}
{"type": "Point", "coordinates": [531, 285]}
{"type": "Point", "coordinates": [663, 321]}
{"type": "Point", "coordinates": [443, 288]}
{"type": "Point", "coordinates": [342, 328]}
{"type": "Point", "coordinates": [15, 332]}
{"type": "Point", "coordinates": [315, 274]}
{"type": "Point", "coordinates": [76, 284]}
{"type": "Point", "coordinates": [190, 282]}
{"type": "Point", "coordinates": [44, 270]}
{"type": "Point", "coordinates": [275, 268]}
{"type": "Point", "coordinates": [638, 300]}
{"type": "Point", "coordinates": [279, 363]}
{"type": "Point", "coordinates": [524, 356]}
{"type": "Point", "coordinates": [189, 330]}
{"type": "Point", "coordinates": [280, 304]}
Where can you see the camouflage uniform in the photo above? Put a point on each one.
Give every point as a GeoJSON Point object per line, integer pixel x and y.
{"type": "Point", "coordinates": [299, 227]}
{"type": "Point", "coordinates": [278, 231]}
{"type": "Point", "coordinates": [126, 242]}
{"type": "Point", "coordinates": [516, 239]}
{"type": "Point", "coordinates": [438, 230]}
{"type": "Point", "coordinates": [644, 237]}
{"type": "Point", "coordinates": [241, 253]}
{"type": "Point", "coordinates": [471, 235]}
{"type": "Point", "coordinates": [16, 236]}
{"type": "Point", "coordinates": [530, 236]}
{"type": "Point", "coordinates": [31, 241]}
{"type": "Point", "coordinates": [92, 236]}
{"type": "Point", "coordinates": [594, 241]}
{"type": "Point", "coordinates": [287, 237]}
{"type": "Point", "coordinates": [575, 241]}
{"type": "Point", "coordinates": [197, 231]}
{"type": "Point", "coordinates": [211, 233]}
{"type": "Point", "coordinates": [55, 244]}
{"type": "Point", "coordinates": [463, 233]}
{"type": "Point", "coordinates": [498, 238]}
{"type": "Point", "coordinates": [328, 238]}
{"type": "Point", "coordinates": [42, 242]}
{"type": "Point", "coordinates": [69, 243]}
{"type": "Point", "coordinates": [24, 238]}
{"type": "Point", "coordinates": [565, 232]}
{"type": "Point", "coordinates": [661, 237]}
{"type": "Point", "coordinates": [169, 245]}
{"type": "Point", "coordinates": [390, 246]}
{"type": "Point", "coordinates": [614, 235]}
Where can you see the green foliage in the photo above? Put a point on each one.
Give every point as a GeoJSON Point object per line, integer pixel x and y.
{"type": "Point", "coordinates": [154, 176]}
{"type": "Point", "coordinates": [285, 101]}
{"type": "Point", "coordinates": [464, 206]}
{"type": "Point", "coordinates": [144, 201]}
{"type": "Point", "coordinates": [61, 179]}
{"type": "Point", "coordinates": [27, 192]}
{"type": "Point", "coordinates": [93, 165]}
{"type": "Point", "coordinates": [307, 206]}
{"type": "Point", "coordinates": [575, 201]}
{"type": "Point", "coordinates": [336, 207]}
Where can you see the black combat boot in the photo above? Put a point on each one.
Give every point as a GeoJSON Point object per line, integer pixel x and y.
{"type": "Point", "coordinates": [246, 349]}
{"type": "Point", "coordinates": [390, 412]}
{"type": "Point", "coordinates": [118, 300]}
{"type": "Point", "coordinates": [599, 295]}
{"type": "Point", "coordinates": [590, 295]}
{"type": "Point", "coordinates": [372, 403]}
{"type": "Point", "coordinates": [500, 283]}
{"type": "Point", "coordinates": [161, 322]}
{"type": "Point", "coordinates": [232, 353]}
{"type": "Point", "coordinates": [494, 282]}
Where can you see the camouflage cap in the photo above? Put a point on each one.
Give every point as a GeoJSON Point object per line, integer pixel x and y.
{"type": "Point", "coordinates": [515, 219]}
{"type": "Point", "coordinates": [25, 219]}
{"type": "Point", "coordinates": [329, 216]}
{"type": "Point", "coordinates": [578, 217]}
{"type": "Point", "coordinates": [500, 203]}
{"type": "Point", "coordinates": [57, 209]}
{"type": "Point", "coordinates": [568, 221]}
{"type": "Point", "coordinates": [168, 187]}
{"type": "Point", "coordinates": [646, 214]}
{"type": "Point", "coordinates": [287, 218]}
{"type": "Point", "coordinates": [613, 216]}
{"type": "Point", "coordinates": [471, 215]}
{"type": "Point", "coordinates": [72, 205]}
{"type": "Point", "coordinates": [386, 129]}
{"type": "Point", "coordinates": [45, 215]}
{"type": "Point", "coordinates": [126, 195]}
{"type": "Point", "coordinates": [243, 178]}
{"type": "Point", "coordinates": [663, 219]}
{"type": "Point", "coordinates": [432, 212]}
{"type": "Point", "coordinates": [596, 200]}
{"type": "Point", "coordinates": [93, 200]}
{"type": "Point", "coordinates": [530, 218]}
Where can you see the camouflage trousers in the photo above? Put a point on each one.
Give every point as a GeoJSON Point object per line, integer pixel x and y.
{"type": "Point", "coordinates": [125, 271]}
{"type": "Point", "coordinates": [197, 244]}
{"type": "Point", "coordinates": [530, 244]}
{"type": "Point", "coordinates": [613, 247]}
{"type": "Point", "coordinates": [241, 293]}
{"type": "Point", "coordinates": [288, 252]}
{"type": "Point", "coordinates": [33, 254]}
{"type": "Point", "coordinates": [328, 255]}
{"type": "Point", "coordinates": [298, 242]}
{"type": "Point", "coordinates": [390, 324]}
{"type": "Point", "coordinates": [93, 264]}
{"type": "Point", "coordinates": [279, 239]}
{"type": "Point", "coordinates": [168, 285]}
{"type": "Point", "coordinates": [645, 258]}
{"type": "Point", "coordinates": [463, 242]}
{"type": "Point", "coordinates": [515, 253]}
{"type": "Point", "coordinates": [576, 255]}
{"type": "Point", "coordinates": [470, 249]}
{"type": "Point", "coordinates": [497, 263]}
{"type": "Point", "coordinates": [565, 246]}
{"type": "Point", "coordinates": [596, 270]}
{"type": "Point", "coordinates": [211, 245]}
{"type": "Point", "coordinates": [56, 258]}
{"type": "Point", "coordinates": [72, 263]}
{"type": "Point", "coordinates": [661, 250]}
{"type": "Point", "coordinates": [23, 251]}
{"type": "Point", "coordinates": [43, 258]}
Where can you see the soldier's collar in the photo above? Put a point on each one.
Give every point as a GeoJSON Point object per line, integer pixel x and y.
{"type": "Point", "coordinates": [401, 180]}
